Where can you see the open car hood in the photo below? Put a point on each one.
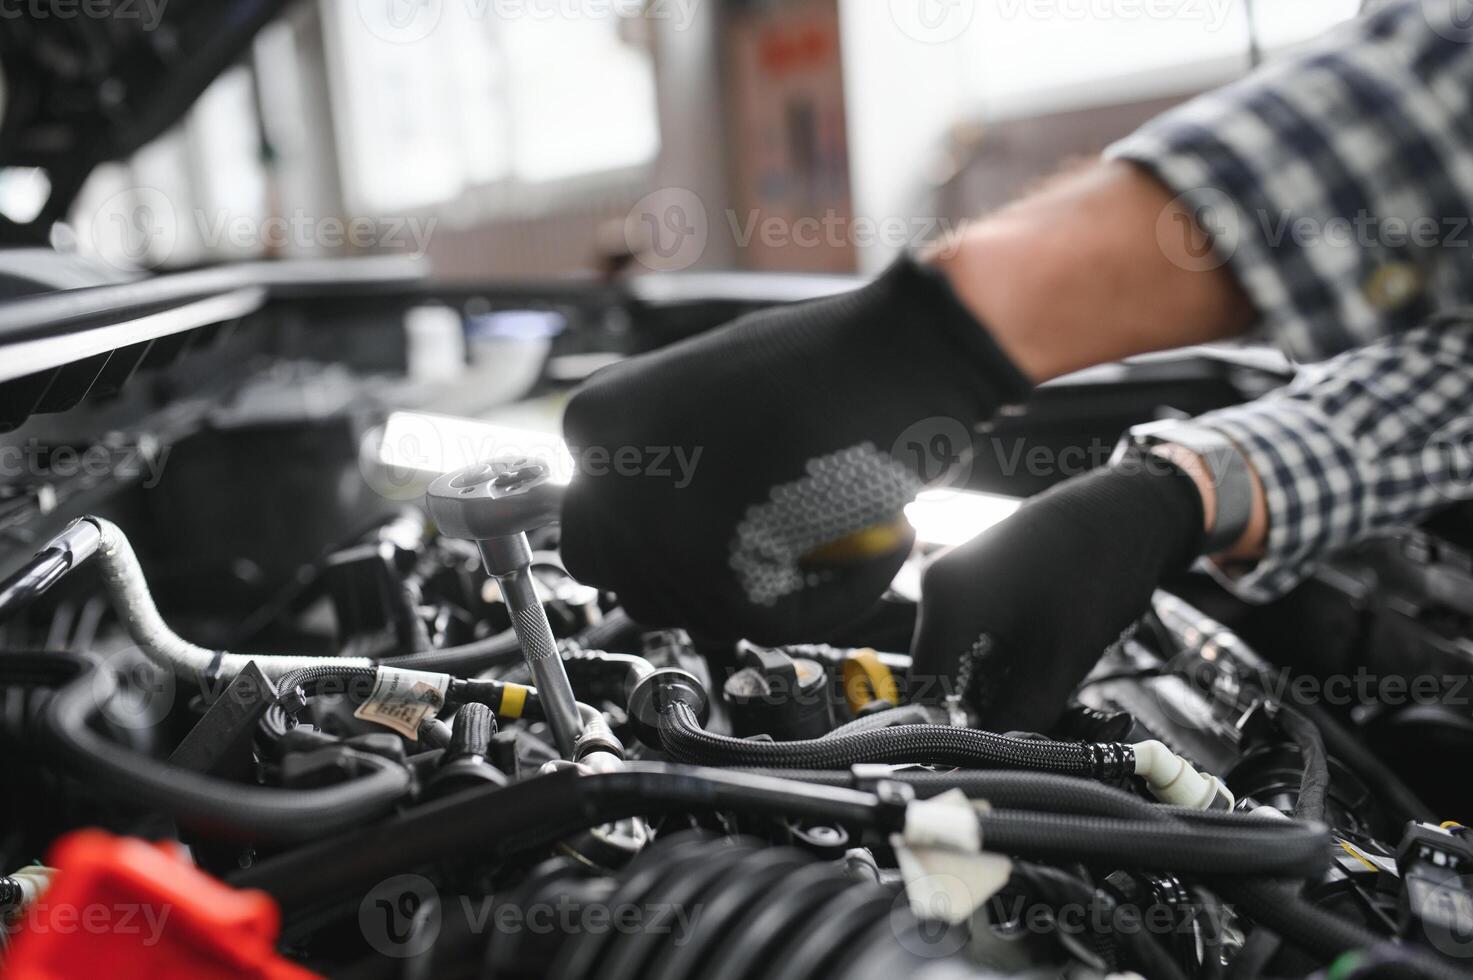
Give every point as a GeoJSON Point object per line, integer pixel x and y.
{"type": "Point", "coordinates": [92, 81]}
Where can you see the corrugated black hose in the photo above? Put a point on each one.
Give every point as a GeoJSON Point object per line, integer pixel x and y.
{"type": "Point", "coordinates": [1315, 781]}
{"type": "Point", "coordinates": [471, 733]}
{"type": "Point", "coordinates": [685, 740]}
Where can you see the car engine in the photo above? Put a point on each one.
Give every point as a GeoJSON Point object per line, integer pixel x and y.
{"type": "Point", "coordinates": [272, 707]}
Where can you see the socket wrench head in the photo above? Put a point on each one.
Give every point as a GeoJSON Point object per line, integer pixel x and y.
{"type": "Point", "coordinates": [498, 498]}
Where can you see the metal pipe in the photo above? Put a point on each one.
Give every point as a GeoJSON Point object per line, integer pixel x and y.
{"type": "Point", "coordinates": [56, 558]}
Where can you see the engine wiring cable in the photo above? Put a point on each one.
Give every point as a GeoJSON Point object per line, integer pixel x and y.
{"type": "Point", "coordinates": [1274, 905]}
{"type": "Point", "coordinates": [685, 740]}
{"type": "Point", "coordinates": [1191, 630]}
{"type": "Point", "coordinates": [536, 812]}
{"type": "Point", "coordinates": [235, 809]}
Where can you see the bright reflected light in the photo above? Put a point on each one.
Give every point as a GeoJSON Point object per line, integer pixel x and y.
{"type": "Point", "coordinates": [415, 447]}
{"type": "Point", "coordinates": [951, 517]}
{"type": "Point", "coordinates": [444, 443]}
{"type": "Point", "coordinates": [23, 193]}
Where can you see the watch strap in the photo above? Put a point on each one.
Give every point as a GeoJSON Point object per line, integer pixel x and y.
{"type": "Point", "coordinates": [1226, 466]}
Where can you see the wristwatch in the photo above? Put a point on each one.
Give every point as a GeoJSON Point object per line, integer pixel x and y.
{"type": "Point", "coordinates": [1226, 466]}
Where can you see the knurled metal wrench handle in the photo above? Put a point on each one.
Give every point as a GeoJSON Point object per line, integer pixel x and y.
{"type": "Point", "coordinates": [494, 504]}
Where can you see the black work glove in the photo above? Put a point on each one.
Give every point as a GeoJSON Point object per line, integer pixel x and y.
{"type": "Point", "coordinates": [777, 513]}
{"type": "Point", "coordinates": [1015, 618]}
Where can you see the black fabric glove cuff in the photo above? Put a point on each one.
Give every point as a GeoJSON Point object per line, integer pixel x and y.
{"type": "Point", "coordinates": [921, 294]}
{"type": "Point", "coordinates": [1152, 492]}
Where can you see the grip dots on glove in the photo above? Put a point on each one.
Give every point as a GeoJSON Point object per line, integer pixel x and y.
{"type": "Point", "coordinates": [845, 492]}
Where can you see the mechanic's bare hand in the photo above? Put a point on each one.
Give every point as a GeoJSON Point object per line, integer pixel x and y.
{"type": "Point", "coordinates": [1016, 617]}
{"type": "Point", "coordinates": [778, 510]}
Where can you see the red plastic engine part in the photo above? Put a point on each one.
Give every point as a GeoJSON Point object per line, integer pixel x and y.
{"type": "Point", "coordinates": [124, 908]}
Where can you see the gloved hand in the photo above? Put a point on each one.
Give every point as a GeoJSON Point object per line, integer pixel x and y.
{"type": "Point", "coordinates": [789, 521]}
{"type": "Point", "coordinates": [1015, 618]}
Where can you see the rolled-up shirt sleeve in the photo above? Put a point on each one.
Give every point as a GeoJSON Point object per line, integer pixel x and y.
{"type": "Point", "coordinates": [1376, 438]}
{"type": "Point", "coordinates": [1337, 182]}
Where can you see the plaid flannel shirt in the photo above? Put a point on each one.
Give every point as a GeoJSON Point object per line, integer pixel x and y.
{"type": "Point", "coordinates": [1337, 184]}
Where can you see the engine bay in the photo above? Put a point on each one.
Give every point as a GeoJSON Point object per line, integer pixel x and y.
{"type": "Point", "coordinates": [401, 740]}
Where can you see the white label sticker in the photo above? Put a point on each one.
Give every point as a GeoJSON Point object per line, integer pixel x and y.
{"type": "Point", "coordinates": [403, 699]}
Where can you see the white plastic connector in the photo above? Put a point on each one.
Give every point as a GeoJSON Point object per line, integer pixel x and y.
{"type": "Point", "coordinates": [1173, 780]}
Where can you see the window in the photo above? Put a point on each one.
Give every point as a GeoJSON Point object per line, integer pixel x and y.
{"type": "Point", "coordinates": [437, 97]}
{"type": "Point", "coordinates": [1022, 50]}
{"type": "Point", "coordinates": [970, 60]}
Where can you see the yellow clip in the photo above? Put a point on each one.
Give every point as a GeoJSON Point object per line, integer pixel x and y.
{"type": "Point", "coordinates": [513, 699]}
{"type": "Point", "coordinates": [867, 679]}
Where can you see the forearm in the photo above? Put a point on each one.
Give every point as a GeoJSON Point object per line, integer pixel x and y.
{"type": "Point", "coordinates": [1323, 202]}
{"type": "Point", "coordinates": [1335, 181]}
{"type": "Point", "coordinates": [1076, 275]}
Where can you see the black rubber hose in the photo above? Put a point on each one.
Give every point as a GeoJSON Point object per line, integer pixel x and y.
{"type": "Point", "coordinates": [498, 823]}
{"type": "Point", "coordinates": [1260, 948]}
{"type": "Point", "coordinates": [611, 632]}
{"type": "Point", "coordinates": [598, 673]}
{"type": "Point", "coordinates": [1029, 791]}
{"type": "Point", "coordinates": [1015, 790]}
{"type": "Point", "coordinates": [1273, 905]}
{"type": "Point", "coordinates": [1274, 848]}
{"type": "Point", "coordinates": [1278, 908]}
{"type": "Point", "coordinates": [503, 649]}
{"type": "Point", "coordinates": [252, 812]}
{"type": "Point", "coordinates": [1401, 803]}
{"type": "Point", "coordinates": [49, 668]}
{"type": "Point", "coordinates": [1314, 784]}
{"type": "Point", "coordinates": [683, 738]}
{"type": "Point", "coordinates": [1252, 960]}
{"type": "Point", "coordinates": [498, 650]}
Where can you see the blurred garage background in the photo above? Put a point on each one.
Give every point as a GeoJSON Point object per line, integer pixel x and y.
{"type": "Point", "coordinates": [545, 138]}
